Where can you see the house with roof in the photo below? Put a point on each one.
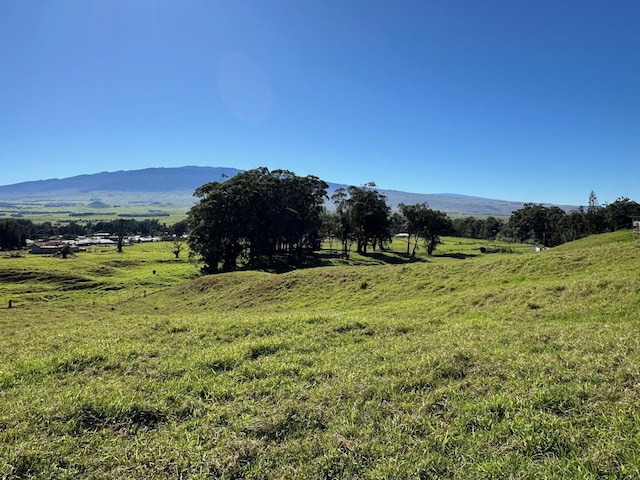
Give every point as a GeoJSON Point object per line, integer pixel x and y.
{"type": "Point", "coordinates": [51, 247]}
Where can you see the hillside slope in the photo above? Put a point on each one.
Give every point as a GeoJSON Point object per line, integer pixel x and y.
{"type": "Point", "coordinates": [574, 279]}
{"type": "Point", "coordinates": [498, 366]}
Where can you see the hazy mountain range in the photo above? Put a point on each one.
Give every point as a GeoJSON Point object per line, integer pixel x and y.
{"type": "Point", "coordinates": [178, 185]}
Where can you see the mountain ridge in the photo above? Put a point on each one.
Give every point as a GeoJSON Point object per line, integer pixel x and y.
{"type": "Point", "coordinates": [180, 183]}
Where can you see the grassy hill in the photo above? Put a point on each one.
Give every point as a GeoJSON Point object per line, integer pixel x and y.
{"type": "Point", "coordinates": [521, 365]}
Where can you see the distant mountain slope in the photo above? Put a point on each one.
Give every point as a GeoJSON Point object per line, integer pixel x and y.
{"type": "Point", "coordinates": [147, 180]}
{"type": "Point", "coordinates": [180, 183]}
{"type": "Point", "coordinates": [453, 204]}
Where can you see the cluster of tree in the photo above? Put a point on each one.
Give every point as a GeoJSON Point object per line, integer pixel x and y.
{"type": "Point", "coordinates": [550, 225]}
{"type": "Point", "coordinates": [256, 214]}
{"type": "Point", "coordinates": [72, 229]}
{"type": "Point", "coordinates": [361, 216]}
{"type": "Point", "coordinates": [423, 222]}
{"type": "Point", "coordinates": [484, 228]}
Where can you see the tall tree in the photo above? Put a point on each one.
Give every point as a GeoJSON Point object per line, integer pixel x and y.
{"type": "Point", "coordinates": [595, 218]}
{"type": "Point", "coordinates": [436, 225]}
{"type": "Point", "coordinates": [344, 222]}
{"type": "Point", "coordinates": [414, 216]}
{"type": "Point", "coordinates": [369, 215]}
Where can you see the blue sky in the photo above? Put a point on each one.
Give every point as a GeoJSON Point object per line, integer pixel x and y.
{"type": "Point", "coordinates": [515, 100]}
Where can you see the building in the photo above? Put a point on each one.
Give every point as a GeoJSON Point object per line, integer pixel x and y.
{"type": "Point", "coordinates": [50, 248]}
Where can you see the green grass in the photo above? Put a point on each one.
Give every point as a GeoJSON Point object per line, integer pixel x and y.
{"type": "Point", "coordinates": [458, 366]}
{"type": "Point", "coordinates": [79, 209]}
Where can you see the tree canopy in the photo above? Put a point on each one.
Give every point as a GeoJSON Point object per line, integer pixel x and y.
{"type": "Point", "coordinates": [256, 214]}
{"type": "Point", "coordinates": [363, 218]}
{"type": "Point", "coordinates": [421, 221]}
{"type": "Point", "coordinates": [12, 235]}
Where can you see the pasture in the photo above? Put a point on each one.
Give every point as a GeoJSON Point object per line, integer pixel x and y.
{"type": "Point", "coordinates": [505, 365]}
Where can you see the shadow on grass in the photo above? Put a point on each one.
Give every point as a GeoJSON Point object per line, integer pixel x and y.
{"type": "Point", "coordinates": [392, 258]}
{"type": "Point", "coordinates": [325, 258]}
{"type": "Point", "coordinates": [457, 255]}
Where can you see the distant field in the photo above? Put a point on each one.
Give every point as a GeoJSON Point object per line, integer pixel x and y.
{"type": "Point", "coordinates": [94, 210]}
{"type": "Point", "coordinates": [463, 365]}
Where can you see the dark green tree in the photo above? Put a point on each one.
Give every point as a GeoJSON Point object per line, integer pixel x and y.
{"type": "Point", "coordinates": [122, 230]}
{"type": "Point", "coordinates": [436, 225]}
{"type": "Point", "coordinates": [369, 217]}
{"type": "Point", "coordinates": [471, 227]}
{"type": "Point", "coordinates": [618, 214]}
{"type": "Point", "coordinates": [179, 228]}
{"type": "Point", "coordinates": [536, 223]}
{"type": "Point", "coordinates": [573, 226]}
{"type": "Point", "coordinates": [595, 216]}
{"type": "Point", "coordinates": [490, 228]}
{"type": "Point", "coordinates": [414, 216]}
{"type": "Point", "coordinates": [12, 235]}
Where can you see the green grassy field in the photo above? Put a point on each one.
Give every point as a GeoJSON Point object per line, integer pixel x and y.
{"type": "Point", "coordinates": [60, 211]}
{"type": "Point", "coordinates": [505, 365]}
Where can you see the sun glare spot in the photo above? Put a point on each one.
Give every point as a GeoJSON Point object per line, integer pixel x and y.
{"type": "Point", "coordinates": [244, 87]}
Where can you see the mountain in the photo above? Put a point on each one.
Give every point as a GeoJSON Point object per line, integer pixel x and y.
{"type": "Point", "coordinates": [149, 180]}
{"type": "Point", "coordinates": [178, 184]}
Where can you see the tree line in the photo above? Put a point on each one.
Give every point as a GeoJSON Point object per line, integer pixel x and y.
{"type": "Point", "coordinates": [15, 232]}
{"type": "Point", "coordinates": [259, 214]}
{"type": "Point", "coordinates": [550, 225]}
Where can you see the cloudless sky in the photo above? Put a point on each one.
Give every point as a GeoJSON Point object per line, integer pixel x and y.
{"type": "Point", "coordinates": [515, 100]}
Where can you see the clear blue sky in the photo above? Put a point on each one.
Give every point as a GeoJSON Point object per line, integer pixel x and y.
{"type": "Point", "coordinates": [516, 100]}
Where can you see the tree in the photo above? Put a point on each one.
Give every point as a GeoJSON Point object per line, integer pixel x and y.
{"type": "Point", "coordinates": [122, 231]}
{"type": "Point", "coordinates": [414, 220]}
{"type": "Point", "coordinates": [330, 228]}
{"type": "Point", "coordinates": [536, 223]}
{"type": "Point", "coordinates": [369, 217]}
{"type": "Point", "coordinates": [595, 218]}
{"type": "Point", "coordinates": [573, 226]}
{"type": "Point", "coordinates": [618, 214]}
{"type": "Point", "coordinates": [344, 223]}
{"type": "Point", "coordinates": [178, 246]}
{"type": "Point", "coordinates": [490, 228]}
{"type": "Point", "coordinates": [471, 227]}
{"type": "Point", "coordinates": [426, 223]}
{"type": "Point", "coordinates": [436, 224]}
{"type": "Point", "coordinates": [65, 251]}
{"type": "Point", "coordinates": [12, 235]}
{"type": "Point", "coordinates": [255, 215]}
{"type": "Point", "coordinates": [179, 228]}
